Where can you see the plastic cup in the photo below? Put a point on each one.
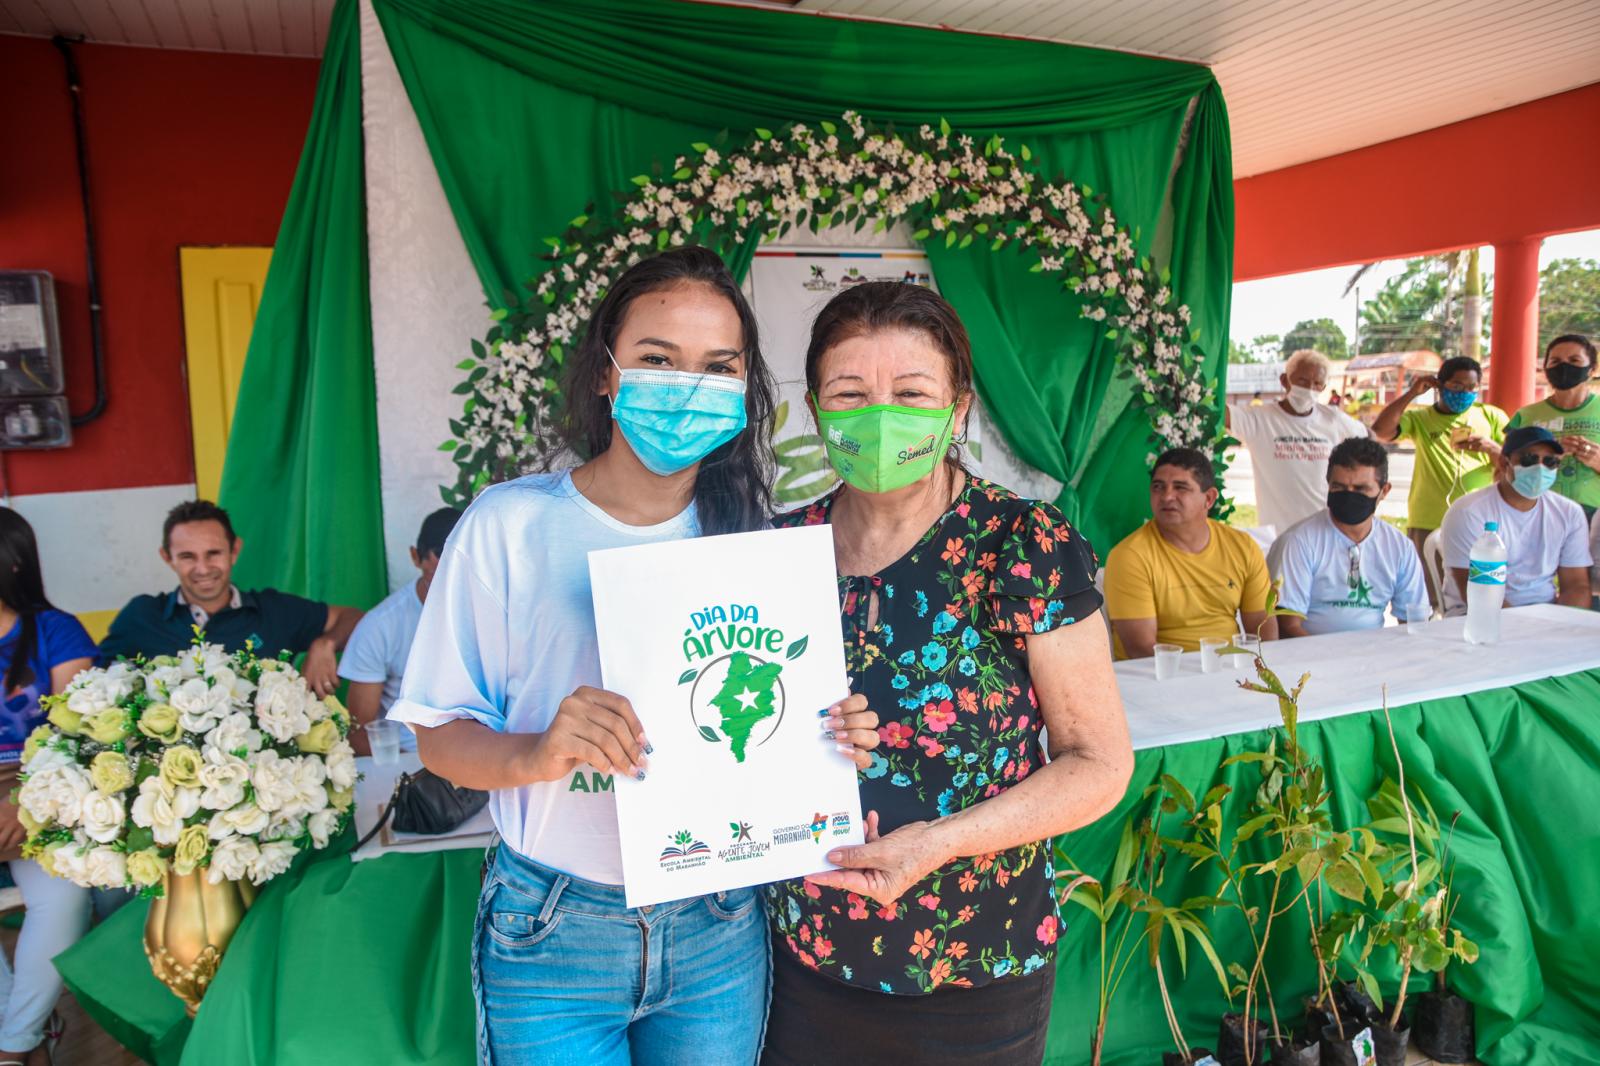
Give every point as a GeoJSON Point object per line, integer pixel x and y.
{"type": "Point", "coordinates": [1245, 663]}
{"type": "Point", "coordinates": [384, 737]}
{"type": "Point", "coordinates": [1210, 661]}
{"type": "Point", "coordinates": [1169, 658]}
{"type": "Point", "coordinates": [1417, 616]}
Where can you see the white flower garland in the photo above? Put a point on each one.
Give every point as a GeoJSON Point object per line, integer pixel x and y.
{"type": "Point", "coordinates": [849, 175]}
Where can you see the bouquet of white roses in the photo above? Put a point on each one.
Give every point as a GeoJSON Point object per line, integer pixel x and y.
{"type": "Point", "coordinates": [198, 760]}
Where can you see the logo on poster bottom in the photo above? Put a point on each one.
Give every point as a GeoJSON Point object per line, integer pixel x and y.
{"type": "Point", "coordinates": [744, 846]}
{"type": "Point", "coordinates": [684, 852]}
{"type": "Point", "coordinates": [797, 833]}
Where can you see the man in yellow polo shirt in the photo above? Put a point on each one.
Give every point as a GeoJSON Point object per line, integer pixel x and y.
{"type": "Point", "coordinates": [1183, 576]}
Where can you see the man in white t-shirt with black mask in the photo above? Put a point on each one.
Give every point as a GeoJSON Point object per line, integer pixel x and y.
{"type": "Point", "coordinates": [1343, 566]}
{"type": "Point", "coordinates": [1290, 442]}
{"type": "Point", "coordinates": [375, 658]}
{"type": "Point", "coordinates": [1546, 535]}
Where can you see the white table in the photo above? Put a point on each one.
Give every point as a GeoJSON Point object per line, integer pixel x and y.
{"type": "Point", "coordinates": [372, 795]}
{"type": "Point", "coordinates": [1348, 672]}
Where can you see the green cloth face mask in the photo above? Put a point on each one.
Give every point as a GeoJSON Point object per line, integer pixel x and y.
{"type": "Point", "coordinates": [883, 447]}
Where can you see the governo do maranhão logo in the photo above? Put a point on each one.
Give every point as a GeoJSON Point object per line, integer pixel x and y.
{"type": "Point", "coordinates": [735, 676]}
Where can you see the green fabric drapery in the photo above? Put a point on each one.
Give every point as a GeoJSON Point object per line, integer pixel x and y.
{"type": "Point", "coordinates": [1522, 764]}
{"type": "Point", "coordinates": [301, 475]}
{"type": "Point", "coordinates": [585, 95]}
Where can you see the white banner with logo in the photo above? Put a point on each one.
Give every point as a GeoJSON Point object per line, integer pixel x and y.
{"type": "Point", "coordinates": [728, 648]}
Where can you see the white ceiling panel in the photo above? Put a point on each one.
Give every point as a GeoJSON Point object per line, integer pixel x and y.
{"type": "Point", "coordinates": [1302, 80]}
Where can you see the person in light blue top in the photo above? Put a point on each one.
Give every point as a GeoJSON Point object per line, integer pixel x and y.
{"type": "Point", "coordinates": [41, 651]}
{"type": "Point", "coordinates": [1341, 567]}
{"type": "Point", "coordinates": [670, 402]}
{"type": "Point", "coordinates": [375, 658]}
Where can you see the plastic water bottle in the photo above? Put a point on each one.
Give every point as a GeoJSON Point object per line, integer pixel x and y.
{"type": "Point", "coordinates": [1486, 586]}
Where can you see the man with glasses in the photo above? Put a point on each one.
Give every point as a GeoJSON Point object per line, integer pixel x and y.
{"type": "Point", "coordinates": [1343, 565]}
{"type": "Point", "coordinates": [1546, 536]}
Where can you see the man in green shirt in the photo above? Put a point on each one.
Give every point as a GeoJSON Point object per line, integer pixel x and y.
{"type": "Point", "coordinates": [1457, 440]}
{"type": "Point", "coordinates": [1572, 414]}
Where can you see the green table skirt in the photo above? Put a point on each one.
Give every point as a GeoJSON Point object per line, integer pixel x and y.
{"type": "Point", "coordinates": [368, 962]}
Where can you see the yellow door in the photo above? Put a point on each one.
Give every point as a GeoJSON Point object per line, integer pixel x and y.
{"type": "Point", "coordinates": [221, 291]}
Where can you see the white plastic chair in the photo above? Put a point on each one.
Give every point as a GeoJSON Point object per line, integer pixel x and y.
{"type": "Point", "coordinates": [1433, 562]}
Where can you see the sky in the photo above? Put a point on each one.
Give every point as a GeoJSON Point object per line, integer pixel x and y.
{"type": "Point", "coordinates": [1274, 305]}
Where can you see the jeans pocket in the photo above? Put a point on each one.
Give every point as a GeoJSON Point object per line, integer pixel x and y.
{"type": "Point", "coordinates": [731, 906]}
{"type": "Point", "coordinates": [516, 921]}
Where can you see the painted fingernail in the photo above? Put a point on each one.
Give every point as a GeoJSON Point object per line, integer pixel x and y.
{"type": "Point", "coordinates": [824, 712]}
{"type": "Point", "coordinates": [827, 725]}
{"type": "Point", "coordinates": [830, 734]}
{"type": "Point", "coordinates": [649, 749]}
{"type": "Point", "coordinates": [639, 776]}
{"type": "Point", "coordinates": [846, 749]}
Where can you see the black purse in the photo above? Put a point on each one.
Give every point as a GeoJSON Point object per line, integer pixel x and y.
{"type": "Point", "coordinates": [426, 803]}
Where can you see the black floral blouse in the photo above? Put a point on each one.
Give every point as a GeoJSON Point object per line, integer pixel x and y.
{"type": "Point", "coordinates": [946, 668]}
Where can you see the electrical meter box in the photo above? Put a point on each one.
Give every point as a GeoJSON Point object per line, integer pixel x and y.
{"type": "Point", "coordinates": [33, 405]}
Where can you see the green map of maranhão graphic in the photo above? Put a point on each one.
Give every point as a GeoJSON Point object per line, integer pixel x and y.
{"type": "Point", "coordinates": [747, 696]}
{"type": "Point", "coordinates": [736, 694]}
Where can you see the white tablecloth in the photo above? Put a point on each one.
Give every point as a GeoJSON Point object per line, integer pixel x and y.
{"type": "Point", "coordinates": [1348, 672]}
{"type": "Point", "coordinates": [372, 794]}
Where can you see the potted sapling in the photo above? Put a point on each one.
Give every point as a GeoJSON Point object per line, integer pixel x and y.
{"type": "Point", "coordinates": [1186, 926]}
{"type": "Point", "coordinates": [1415, 921]}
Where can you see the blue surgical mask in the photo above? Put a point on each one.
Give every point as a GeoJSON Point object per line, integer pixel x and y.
{"type": "Point", "coordinates": [672, 419]}
{"type": "Point", "coordinates": [1456, 401]}
{"type": "Point", "coordinates": [1534, 481]}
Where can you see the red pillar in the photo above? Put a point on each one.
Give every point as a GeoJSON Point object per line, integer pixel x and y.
{"type": "Point", "coordinates": [1514, 336]}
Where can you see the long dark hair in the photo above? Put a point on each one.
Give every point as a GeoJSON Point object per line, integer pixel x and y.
{"type": "Point", "coordinates": [22, 590]}
{"type": "Point", "coordinates": [733, 490]}
{"type": "Point", "coordinates": [880, 306]}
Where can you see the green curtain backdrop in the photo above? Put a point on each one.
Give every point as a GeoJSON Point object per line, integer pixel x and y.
{"type": "Point", "coordinates": [533, 111]}
{"type": "Point", "coordinates": [301, 475]}
{"type": "Point", "coordinates": [368, 962]}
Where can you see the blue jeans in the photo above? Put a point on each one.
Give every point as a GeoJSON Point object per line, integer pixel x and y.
{"type": "Point", "coordinates": [565, 972]}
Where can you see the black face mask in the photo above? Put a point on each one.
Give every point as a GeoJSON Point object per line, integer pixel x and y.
{"type": "Point", "coordinates": [1567, 375]}
{"type": "Point", "coordinates": [1351, 508]}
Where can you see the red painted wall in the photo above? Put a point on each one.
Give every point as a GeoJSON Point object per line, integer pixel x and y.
{"type": "Point", "coordinates": [184, 148]}
{"type": "Point", "coordinates": [1528, 171]}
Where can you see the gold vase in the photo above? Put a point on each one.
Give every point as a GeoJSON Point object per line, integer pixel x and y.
{"type": "Point", "coordinates": [188, 929]}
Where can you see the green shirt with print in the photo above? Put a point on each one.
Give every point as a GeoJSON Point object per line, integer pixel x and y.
{"type": "Point", "coordinates": [1574, 480]}
{"type": "Point", "coordinates": [1443, 474]}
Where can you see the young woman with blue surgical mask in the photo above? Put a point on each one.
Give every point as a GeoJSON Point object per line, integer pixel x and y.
{"type": "Point", "coordinates": [1457, 441]}
{"type": "Point", "coordinates": [669, 404]}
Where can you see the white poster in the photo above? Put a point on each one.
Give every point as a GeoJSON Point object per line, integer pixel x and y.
{"type": "Point", "coordinates": [727, 647]}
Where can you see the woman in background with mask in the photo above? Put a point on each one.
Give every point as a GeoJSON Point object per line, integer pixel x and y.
{"type": "Point", "coordinates": [970, 620]}
{"type": "Point", "coordinates": [1457, 440]}
{"type": "Point", "coordinates": [503, 689]}
{"type": "Point", "coordinates": [1572, 414]}
{"type": "Point", "coordinates": [1290, 442]}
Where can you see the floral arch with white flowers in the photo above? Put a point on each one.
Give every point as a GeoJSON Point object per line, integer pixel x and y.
{"type": "Point", "coordinates": [842, 174]}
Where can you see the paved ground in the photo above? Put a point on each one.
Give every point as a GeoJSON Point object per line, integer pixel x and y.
{"type": "Point", "coordinates": [1241, 482]}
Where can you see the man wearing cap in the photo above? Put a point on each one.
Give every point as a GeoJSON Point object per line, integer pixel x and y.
{"type": "Point", "coordinates": [1546, 536]}
{"type": "Point", "coordinates": [375, 658]}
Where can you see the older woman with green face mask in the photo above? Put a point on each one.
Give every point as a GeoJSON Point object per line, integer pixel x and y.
{"type": "Point", "coordinates": [971, 624]}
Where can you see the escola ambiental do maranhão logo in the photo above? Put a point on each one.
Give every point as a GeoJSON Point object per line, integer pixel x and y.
{"type": "Point", "coordinates": [737, 695]}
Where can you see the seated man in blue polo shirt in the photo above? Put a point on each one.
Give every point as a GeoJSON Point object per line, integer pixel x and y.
{"type": "Point", "coordinates": [198, 542]}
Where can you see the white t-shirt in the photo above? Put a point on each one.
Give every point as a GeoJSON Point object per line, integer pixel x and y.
{"type": "Point", "coordinates": [1553, 534]}
{"type": "Point", "coordinates": [378, 648]}
{"type": "Point", "coordinates": [507, 633]}
{"type": "Point", "coordinates": [1594, 550]}
{"type": "Point", "coordinates": [1289, 454]}
{"type": "Point", "coordinates": [1336, 590]}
